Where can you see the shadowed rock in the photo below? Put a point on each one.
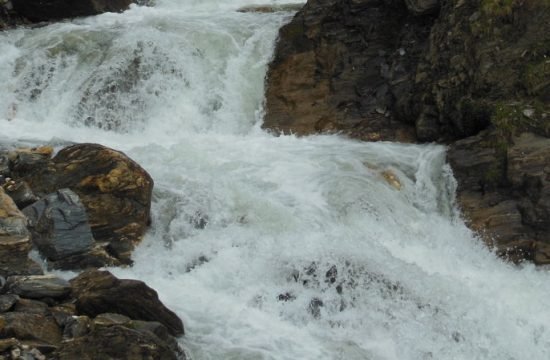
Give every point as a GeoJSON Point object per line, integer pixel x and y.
{"type": "Point", "coordinates": [44, 10]}
{"type": "Point", "coordinates": [98, 292]}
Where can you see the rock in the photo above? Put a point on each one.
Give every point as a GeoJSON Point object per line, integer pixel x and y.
{"type": "Point", "coordinates": [98, 292]}
{"type": "Point", "coordinates": [59, 225]}
{"type": "Point", "coordinates": [21, 193]}
{"type": "Point", "coordinates": [7, 302]}
{"type": "Point", "coordinates": [39, 286]}
{"type": "Point", "coordinates": [115, 191]}
{"type": "Point", "coordinates": [7, 344]}
{"type": "Point", "coordinates": [31, 307]}
{"type": "Point", "coordinates": [45, 10]}
{"type": "Point", "coordinates": [116, 342]}
{"type": "Point", "coordinates": [30, 327]}
{"type": "Point", "coordinates": [422, 7]}
{"type": "Point", "coordinates": [96, 257]}
{"type": "Point", "coordinates": [270, 8]}
{"type": "Point", "coordinates": [77, 326]}
{"type": "Point", "coordinates": [15, 242]}
{"type": "Point", "coordinates": [504, 192]}
{"type": "Point", "coordinates": [338, 68]}
{"type": "Point", "coordinates": [4, 164]}
{"type": "Point", "coordinates": [109, 319]}
{"type": "Point", "coordinates": [28, 159]}
{"type": "Point", "coordinates": [63, 312]}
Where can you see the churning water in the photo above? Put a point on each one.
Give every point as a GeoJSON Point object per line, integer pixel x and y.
{"type": "Point", "coordinates": [269, 247]}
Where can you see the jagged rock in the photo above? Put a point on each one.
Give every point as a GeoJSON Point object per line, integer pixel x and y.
{"type": "Point", "coordinates": [115, 191]}
{"type": "Point", "coordinates": [38, 286]}
{"type": "Point", "coordinates": [7, 302]}
{"type": "Point", "coordinates": [15, 243]}
{"type": "Point", "coordinates": [59, 225]}
{"type": "Point", "coordinates": [116, 342]}
{"type": "Point", "coordinates": [44, 10]}
{"type": "Point", "coordinates": [99, 292]}
{"type": "Point", "coordinates": [30, 327]}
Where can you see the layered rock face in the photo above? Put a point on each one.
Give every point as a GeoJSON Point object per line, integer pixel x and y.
{"type": "Point", "coordinates": [470, 73]}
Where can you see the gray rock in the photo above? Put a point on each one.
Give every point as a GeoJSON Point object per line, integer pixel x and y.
{"type": "Point", "coordinates": [4, 165]}
{"type": "Point", "coordinates": [422, 7]}
{"type": "Point", "coordinates": [38, 286]}
{"type": "Point", "coordinates": [7, 302]}
{"type": "Point", "coordinates": [21, 193]}
{"type": "Point", "coordinates": [77, 326]}
{"type": "Point", "coordinates": [59, 225]}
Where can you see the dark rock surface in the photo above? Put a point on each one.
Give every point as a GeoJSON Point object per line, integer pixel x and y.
{"type": "Point", "coordinates": [46, 10]}
{"type": "Point", "coordinates": [98, 292]}
{"type": "Point", "coordinates": [59, 225]}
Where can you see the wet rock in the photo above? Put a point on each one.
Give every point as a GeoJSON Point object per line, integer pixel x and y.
{"type": "Point", "coordinates": [25, 326]}
{"type": "Point", "coordinates": [315, 306]}
{"type": "Point", "coordinates": [7, 344]}
{"type": "Point", "coordinates": [160, 331]}
{"type": "Point", "coordinates": [15, 242]}
{"type": "Point", "coordinates": [28, 159]}
{"type": "Point", "coordinates": [21, 193]}
{"type": "Point", "coordinates": [39, 286]}
{"type": "Point", "coordinates": [77, 326]}
{"type": "Point", "coordinates": [96, 257]}
{"type": "Point", "coordinates": [116, 342]}
{"type": "Point", "coordinates": [109, 319]}
{"type": "Point", "coordinates": [63, 312]}
{"type": "Point", "coordinates": [59, 225]}
{"type": "Point", "coordinates": [45, 10]}
{"type": "Point", "coordinates": [31, 307]}
{"type": "Point", "coordinates": [270, 8]}
{"type": "Point", "coordinates": [7, 302]}
{"type": "Point", "coordinates": [504, 192]}
{"type": "Point", "coordinates": [4, 164]}
{"type": "Point", "coordinates": [422, 7]}
{"type": "Point", "coordinates": [115, 191]}
{"type": "Point", "coordinates": [99, 292]}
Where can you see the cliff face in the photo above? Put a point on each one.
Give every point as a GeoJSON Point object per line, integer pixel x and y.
{"type": "Point", "coordinates": [474, 74]}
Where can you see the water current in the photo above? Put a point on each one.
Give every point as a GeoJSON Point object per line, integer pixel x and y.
{"type": "Point", "coordinates": [268, 247]}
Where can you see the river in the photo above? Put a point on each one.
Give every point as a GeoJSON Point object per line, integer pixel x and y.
{"type": "Point", "coordinates": [269, 247]}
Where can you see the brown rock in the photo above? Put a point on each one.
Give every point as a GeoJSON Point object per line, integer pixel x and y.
{"type": "Point", "coordinates": [98, 292]}
{"type": "Point", "coordinates": [31, 307]}
{"type": "Point", "coordinates": [25, 326]}
{"type": "Point", "coordinates": [116, 342]}
{"type": "Point", "coordinates": [38, 286]}
{"type": "Point", "coordinates": [115, 191]}
{"type": "Point", "coordinates": [14, 240]}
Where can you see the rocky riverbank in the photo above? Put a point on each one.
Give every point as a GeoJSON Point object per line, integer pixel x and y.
{"type": "Point", "coordinates": [469, 73]}
{"type": "Point", "coordinates": [84, 208]}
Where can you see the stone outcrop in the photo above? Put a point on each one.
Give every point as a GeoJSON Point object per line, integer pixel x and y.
{"type": "Point", "coordinates": [470, 73]}
{"type": "Point", "coordinates": [115, 191]}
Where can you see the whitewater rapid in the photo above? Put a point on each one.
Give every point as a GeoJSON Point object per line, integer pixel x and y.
{"type": "Point", "coordinates": [268, 247]}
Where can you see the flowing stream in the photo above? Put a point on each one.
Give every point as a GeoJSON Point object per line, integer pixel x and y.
{"type": "Point", "coordinates": [269, 247]}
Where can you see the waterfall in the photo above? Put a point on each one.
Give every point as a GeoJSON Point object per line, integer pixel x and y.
{"type": "Point", "coordinates": [268, 247]}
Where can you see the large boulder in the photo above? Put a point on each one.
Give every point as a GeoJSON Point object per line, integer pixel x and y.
{"type": "Point", "coordinates": [15, 242]}
{"type": "Point", "coordinates": [98, 292]}
{"type": "Point", "coordinates": [25, 326]}
{"type": "Point", "coordinates": [115, 191]}
{"type": "Point", "coordinates": [38, 286]}
{"type": "Point", "coordinates": [44, 10]}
